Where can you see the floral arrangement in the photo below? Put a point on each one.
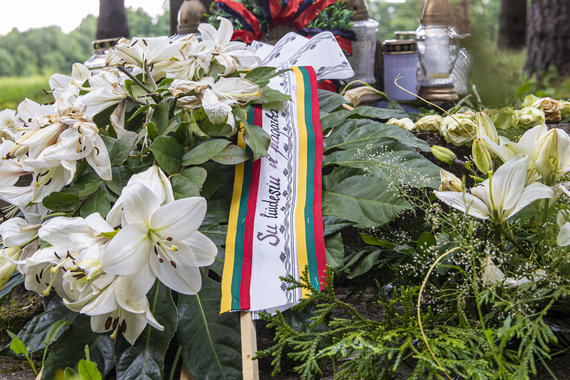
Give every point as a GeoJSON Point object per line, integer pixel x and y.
{"type": "Point", "coordinates": [473, 283]}
{"type": "Point", "coordinates": [104, 184]}
{"type": "Point", "coordinates": [255, 18]}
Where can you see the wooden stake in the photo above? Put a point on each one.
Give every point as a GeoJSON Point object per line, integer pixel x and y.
{"type": "Point", "coordinates": [250, 367]}
{"type": "Point", "coordinates": [184, 374]}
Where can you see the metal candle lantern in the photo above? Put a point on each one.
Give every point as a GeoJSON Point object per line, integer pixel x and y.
{"type": "Point", "coordinates": [364, 48]}
{"type": "Point", "coordinates": [190, 14]}
{"type": "Point", "coordinates": [438, 46]}
{"type": "Point", "coordinates": [100, 47]}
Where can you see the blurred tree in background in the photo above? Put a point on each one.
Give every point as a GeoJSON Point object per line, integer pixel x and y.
{"type": "Point", "coordinates": [47, 50]}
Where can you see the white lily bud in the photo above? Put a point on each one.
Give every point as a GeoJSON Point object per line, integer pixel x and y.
{"type": "Point", "coordinates": [486, 127]}
{"type": "Point", "coordinates": [553, 158]}
{"type": "Point", "coordinates": [6, 263]}
{"type": "Point", "coordinates": [443, 154]}
{"type": "Point", "coordinates": [481, 156]}
{"type": "Point", "coordinates": [449, 181]}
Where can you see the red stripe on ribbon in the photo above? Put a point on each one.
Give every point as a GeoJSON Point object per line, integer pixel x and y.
{"type": "Point", "coordinates": [310, 13]}
{"type": "Point", "coordinates": [249, 223]}
{"type": "Point", "coordinates": [247, 15]}
{"type": "Point", "coordinates": [318, 176]}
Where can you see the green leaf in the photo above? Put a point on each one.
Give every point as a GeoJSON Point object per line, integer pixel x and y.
{"type": "Point", "coordinates": [69, 349]}
{"type": "Point", "coordinates": [87, 370]}
{"type": "Point", "coordinates": [364, 200]}
{"type": "Point", "coordinates": [210, 341]}
{"type": "Point", "coordinates": [337, 118]}
{"type": "Point", "coordinates": [34, 333]}
{"type": "Point", "coordinates": [16, 344]}
{"type": "Point", "coordinates": [426, 241]}
{"type": "Point", "coordinates": [204, 152]}
{"type": "Point", "coordinates": [330, 101]}
{"type": "Point", "coordinates": [196, 174]}
{"type": "Point", "coordinates": [261, 75]}
{"type": "Point", "coordinates": [270, 95]}
{"type": "Point", "coordinates": [333, 225]}
{"type": "Point", "coordinates": [373, 240]}
{"type": "Point", "coordinates": [160, 117]}
{"type": "Point", "coordinates": [121, 175]}
{"type": "Point", "coordinates": [231, 155]}
{"type": "Point", "coordinates": [97, 203]}
{"type": "Point", "coordinates": [358, 133]}
{"type": "Point", "coordinates": [84, 186]}
{"type": "Point", "coordinates": [257, 139]}
{"type": "Point", "coordinates": [58, 201]}
{"type": "Point", "coordinates": [390, 160]}
{"type": "Point", "coordinates": [55, 330]}
{"type": "Point", "coordinates": [145, 360]}
{"type": "Point", "coordinates": [152, 131]}
{"type": "Point", "coordinates": [334, 249]}
{"type": "Point", "coordinates": [365, 264]}
{"type": "Point", "coordinates": [121, 149]}
{"type": "Point", "coordinates": [183, 187]}
{"type": "Point", "coordinates": [168, 153]}
{"type": "Point", "coordinates": [14, 281]}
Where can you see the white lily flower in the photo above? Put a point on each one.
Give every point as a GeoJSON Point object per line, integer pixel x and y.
{"type": "Point", "coordinates": [68, 87]}
{"type": "Point", "coordinates": [9, 125]}
{"type": "Point", "coordinates": [10, 169]}
{"type": "Point", "coordinates": [16, 232]}
{"type": "Point", "coordinates": [449, 181]}
{"type": "Point", "coordinates": [563, 238]}
{"type": "Point", "coordinates": [153, 178]}
{"type": "Point", "coordinates": [232, 55]}
{"type": "Point", "coordinates": [217, 98]}
{"type": "Point", "coordinates": [140, 51]}
{"type": "Point", "coordinates": [162, 237]}
{"type": "Point", "coordinates": [491, 274]}
{"type": "Point", "coordinates": [7, 266]}
{"type": "Point", "coordinates": [107, 88]}
{"type": "Point", "coordinates": [500, 196]}
{"type": "Point", "coordinates": [73, 242]}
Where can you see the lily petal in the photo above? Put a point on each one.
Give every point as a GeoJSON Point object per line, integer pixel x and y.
{"type": "Point", "coordinates": [128, 252]}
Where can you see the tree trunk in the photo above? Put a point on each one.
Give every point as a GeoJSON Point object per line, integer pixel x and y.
{"type": "Point", "coordinates": [463, 19]}
{"type": "Point", "coordinates": [112, 21]}
{"type": "Point", "coordinates": [548, 40]}
{"type": "Point", "coordinates": [174, 7]}
{"type": "Point", "coordinates": [512, 24]}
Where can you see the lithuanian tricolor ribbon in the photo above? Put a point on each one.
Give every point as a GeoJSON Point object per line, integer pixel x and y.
{"type": "Point", "coordinates": [275, 226]}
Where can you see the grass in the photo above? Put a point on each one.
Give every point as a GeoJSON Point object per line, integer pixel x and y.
{"type": "Point", "coordinates": [14, 90]}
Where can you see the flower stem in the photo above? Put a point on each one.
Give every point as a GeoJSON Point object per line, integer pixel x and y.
{"type": "Point", "coordinates": [512, 240]}
{"type": "Point", "coordinates": [175, 363]}
{"type": "Point", "coordinates": [141, 84]}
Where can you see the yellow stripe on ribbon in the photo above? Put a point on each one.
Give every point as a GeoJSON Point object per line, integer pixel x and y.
{"type": "Point", "coordinates": [302, 177]}
{"type": "Point", "coordinates": [226, 301]}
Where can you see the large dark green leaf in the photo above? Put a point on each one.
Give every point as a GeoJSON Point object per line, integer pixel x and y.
{"type": "Point", "coordinates": [330, 101]}
{"type": "Point", "coordinates": [231, 155]}
{"type": "Point", "coordinates": [121, 149]}
{"type": "Point", "coordinates": [391, 161]}
{"type": "Point", "coordinates": [183, 187]}
{"type": "Point", "coordinates": [204, 152]}
{"type": "Point", "coordinates": [364, 200]}
{"type": "Point", "coordinates": [58, 201]}
{"type": "Point", "coordinates": [210, 341]}
{"type": "Point", "coordinates": [160, 116]}
{"type": "Point", "coordinates": [121, 175]}
{"type": "Point", "coordinates": [145, 360]}
{"type": "Point", "coordinates": [96, 203]}
{"type": "Point", "coordinates": [168, 153]}
{"type": "Point", "coordinates": [358, 133]}
{"type": "Point", "coordinates": [34, 333]}
{"type": "Point", "coordinates": [14, 281]}
{"type": "Point", "coordinates": [84, 186]}
{"type": "Point", "coordinates": [334, 249]}
{"type": "Point", "coordinates": [337, 118]}
{"type": "Point", "coordinates": [69, 349]}
{"type": "Point", "coordinates": [256, 138]}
